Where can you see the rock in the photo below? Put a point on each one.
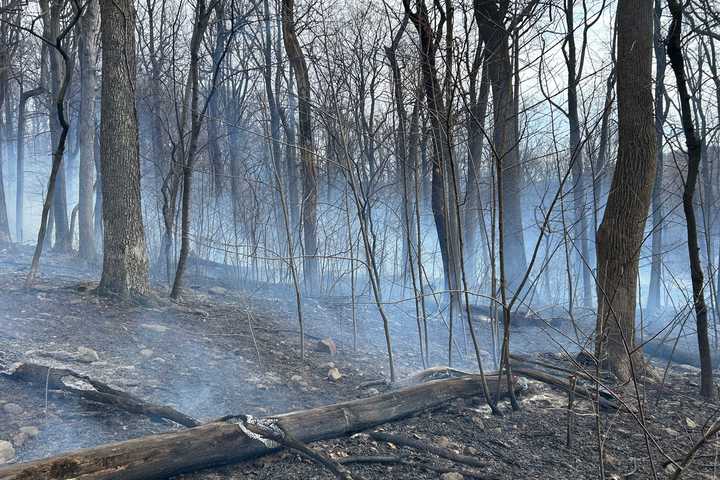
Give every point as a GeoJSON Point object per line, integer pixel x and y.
{"type": "Point", "coordinates": [296, 378]}
{"type": "Point", "coordinates": [19, 439]}
{"type": "Point", "coordinates": [7, 452]}
{"type": "Point", "coordinates": [87, 355]}
{"type": "Point", "coordinates": [328, 365]}
{"type": "Point", "coordinates": [372, 392]}
{"type": "Point", "coordinates": [326, 345]}
{"type": "Point", "coordinates": [146, 352]}
{"type": "Point", "coordinates": [30, 431]}
{"type": "Point", "coordinates": [217, 290]}
{"type": "Point", "coordinates": [334, 374]}
{"type": "Point", "coordinates": [478, 422]}
{"type": "Point", "coordinates": [155, 327]}
{"type": "Point", "coordinates": [13, 409]}
{"type": "Point", "coordinates": [443, 441]}
{"type": "Point", "coordinates": [451, 476]}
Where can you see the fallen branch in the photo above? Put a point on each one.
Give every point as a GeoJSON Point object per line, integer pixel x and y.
{"type": "Point", "coordinates": [221, 443]}
{"type": "Point", "coordinates": [427, 447]}
{"type": "Point", "coordinates": [94, 390]}
{"type": "Point", "coordinates": [607, 402]}
{"type": "Point", "coordinates": [394, 460]}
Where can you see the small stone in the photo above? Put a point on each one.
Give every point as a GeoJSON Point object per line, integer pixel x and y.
{"type": "Point", "coordinates": [327, 345]}
{"type": "Point", "coordinates": [478, 421]}
{"type": "Point", "coordinates": [470, 451]}
{"type": "Point", "coordinates": [155, 327]}
{"type": "Point", "coordinates": [13, 409]}
{"type": "Point", "coordinates": [451, 476]}
{"type": "Point", "coordinates": [30, 431]}
{"type": "Point", "coordinates": [146, 352]}
{"type": "Point", "coordinates": [334, 374]}
{"type": "Point", "coordinates": [296, 378]}
{"type": "Point", "coordinates": [372, 391]}
{"type": "Point", "coordinates": [443, 442]}
{"type": "Point", "coordinates": [19, 439]}
{"type": "Point", "coordinates": [7, 452]}
{"type": "Point", "coordinates": [87, 355]}
{"type": "Point", "coordinates": [217, 290]}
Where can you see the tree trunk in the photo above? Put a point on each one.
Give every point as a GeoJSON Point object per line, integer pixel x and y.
{"type": "Point", "coordinates": [4, 225]}
{"type": "Point", "coordinates": [580, 225]}
{"type": "Point", "coordinates": [620, 234]}
{"type": "Point", "coordinates": [89, 25]}
{"type": "Point", "coordinates": [20, 165]}
{"type": "Point", "coordinates": [694, 147]}
{"type": "Point", "coordinates": [655, 288]}
{"type": "Point", "coordinates": [307, 154]}
{"type": "Point", "coordinates": [505, 138]}
{"type": "Point", "coordinates": [125, 262]}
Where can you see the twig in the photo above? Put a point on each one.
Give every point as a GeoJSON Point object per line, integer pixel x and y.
{"type": "Point", "coordinates": [428, 447]}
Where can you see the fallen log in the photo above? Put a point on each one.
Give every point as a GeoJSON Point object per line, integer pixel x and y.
{"type": "Point", "coordinates": [94, 390]}
{"type": "Point", "coordinates": [221, 443]}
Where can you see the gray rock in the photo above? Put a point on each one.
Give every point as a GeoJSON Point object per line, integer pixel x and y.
{"type": "Point", "coordinates": [218, 290]}
{"type": "Point", "coordinates": [451, 476]}
{"type": "Point", "coordinates": [7, 452]}
{"type": "Point", "coordinates": [87, 355]}
{"type": "Point", "coordinates": [155, 327]}
{"type": "Point", "coordinates": [13, 409]}
{"type": "Point", "coordinates": [146, 352]}
{"type": "Point", "coordinates": [30, 431]}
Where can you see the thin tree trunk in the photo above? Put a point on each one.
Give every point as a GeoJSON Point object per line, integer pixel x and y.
{"type": "Point", "coordinates": [89, 25]}
{"type": "Point", "coordinates": [655, 288]}
{"type": "Point", "coordinates": [694, 147]}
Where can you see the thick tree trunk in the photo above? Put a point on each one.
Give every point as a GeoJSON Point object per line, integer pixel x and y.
{"type": "Point", "coordinates": [694, 147]}
{"type": "Point", "coordinates": [89, 25]}
{"type": "Point", "coordinates": [224, 442]}
{"type": "Point", "coordinates": [621, 232]}
{"type": "Point", "coordinates": [125, 262]}
{"type": "Point", "coordinates": [307, 154]}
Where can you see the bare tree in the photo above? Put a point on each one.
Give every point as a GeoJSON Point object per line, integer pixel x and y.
{"type": "Point", "coordinates": [620, 235]}
{"type": "Point", "coordinates": [89, 25]}
{"type": "Point", "coordinates": [694, 152]}
{"type": "Point", "coordinates": [125, 261]}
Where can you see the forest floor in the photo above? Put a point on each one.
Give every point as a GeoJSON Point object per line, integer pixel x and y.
{"type": "Point", "coordinates": [223, 351]}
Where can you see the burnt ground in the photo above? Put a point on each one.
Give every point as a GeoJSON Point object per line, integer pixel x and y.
{"type": "Point", "coordinates": [224, 351]}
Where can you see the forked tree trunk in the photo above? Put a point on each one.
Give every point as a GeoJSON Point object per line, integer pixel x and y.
{"type": "Point", "coordinates": [307, 154]}
{"type": "Point", "coordinates": [505, 138]}
{"type": "Point", "coordinates": [694, 147]}
{"type": "Point", "coordinates": [89, 25]}
{"type": "Point", "coordinates": [620, 235]}
{"type": "Point", "coordinates": [125, 261]}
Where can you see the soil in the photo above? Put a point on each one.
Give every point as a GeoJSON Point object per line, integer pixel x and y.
{"type": "Point", "coordinates": [227, 351]}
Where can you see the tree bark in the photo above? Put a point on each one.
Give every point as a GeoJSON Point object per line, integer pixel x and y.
{"type": "Point", "coordinates": [89, 24]}
{"type": "Point", "coordinates": [620, 235]}
{"type": "Point", "coordinates": [125, 262]}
